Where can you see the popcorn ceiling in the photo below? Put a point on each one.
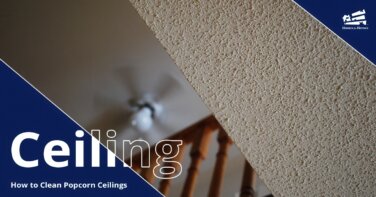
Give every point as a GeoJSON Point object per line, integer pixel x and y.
{"type": "Point", "coordinates": [298, 101]}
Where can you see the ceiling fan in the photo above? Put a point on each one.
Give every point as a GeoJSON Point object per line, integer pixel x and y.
{"type": "Point", "coordinates": [141, 100]}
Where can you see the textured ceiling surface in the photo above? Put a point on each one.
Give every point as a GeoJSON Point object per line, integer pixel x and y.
{"type": "Point", "coordinates": [298, 101]}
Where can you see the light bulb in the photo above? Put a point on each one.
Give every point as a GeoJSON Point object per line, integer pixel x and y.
{"type": "Point", "coordinates": [142, 119]}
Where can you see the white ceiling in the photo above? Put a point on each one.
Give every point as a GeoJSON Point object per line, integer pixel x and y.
{"type": "Point", "coordinates": [70, 50]}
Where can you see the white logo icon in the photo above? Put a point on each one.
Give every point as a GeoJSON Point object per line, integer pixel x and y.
{"type": "Point", "coordinates": [356, 18]}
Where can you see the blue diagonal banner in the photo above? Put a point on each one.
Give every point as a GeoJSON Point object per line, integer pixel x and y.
{"type": "Point", "coordinates": [352, 20]}
{"type": "Point", "coordinates": [29, 122]}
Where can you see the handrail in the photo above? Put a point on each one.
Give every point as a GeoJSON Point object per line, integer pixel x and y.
{"type": "Point", "coordinates": [186, 135]}
{"type": "Point", "coordinates": [198, 135]}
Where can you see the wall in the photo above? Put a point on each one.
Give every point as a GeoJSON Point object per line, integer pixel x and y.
{"type": "Point", "coordinates": [298, 101]}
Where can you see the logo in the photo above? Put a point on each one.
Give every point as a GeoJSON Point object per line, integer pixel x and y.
{"type": "Point", "coordinates": [355, 21]}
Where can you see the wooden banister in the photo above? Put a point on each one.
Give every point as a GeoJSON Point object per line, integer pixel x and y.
{"type": "Point", "coordinates": [248, 182]}
{"type": "Point", "coordinates": [164, 186]}
{"type": "Point", "coordinates": [220, 164]}
{"type": "Point", "coordinates": [198, 153]}
{"type": "Point", "coordinates": [187, 135]}
{"type": "Point", "coordinates": [147, 173]}
{"type": "Point", "coordinates": [199, 135]}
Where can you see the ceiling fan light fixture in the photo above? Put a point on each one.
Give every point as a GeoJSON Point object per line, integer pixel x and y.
{"type": "Point", "coordinates": [142, 119]}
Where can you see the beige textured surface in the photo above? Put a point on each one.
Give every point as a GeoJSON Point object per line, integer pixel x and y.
{"type": "Point", "coordinates": [298, 101]}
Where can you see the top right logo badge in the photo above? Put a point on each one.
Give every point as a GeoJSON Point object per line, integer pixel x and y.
{"type": "Point", "coordinates": [356, 20]}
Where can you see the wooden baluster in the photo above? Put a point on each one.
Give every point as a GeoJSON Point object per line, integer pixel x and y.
{"type": "Point", "coordinates": [248, 182]}
{"type": "Point", "coordinates": [198, 153]}
{"type": "Point", "coordinates": [217, 179]}
{"type": "Point", "coordinates": [147, 173]}
{"type": "Point", "coordinates": [164, 186]}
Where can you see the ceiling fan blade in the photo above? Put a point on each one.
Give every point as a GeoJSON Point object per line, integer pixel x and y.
{"type": "Point", "coordinates": [106, 101]}
{"type": "Point", "coordinates": [130, 81]}
{"type": "Point", "coordinates": [115, 118]}
{"type": "Point", "coordinates": [159, 131]}
{"type": "Point", "coordinates": [156, 133]}
{"type": "Point", "coordinates": [167, 88]}
{"type": "Point", "coordinates": [110, 93]}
